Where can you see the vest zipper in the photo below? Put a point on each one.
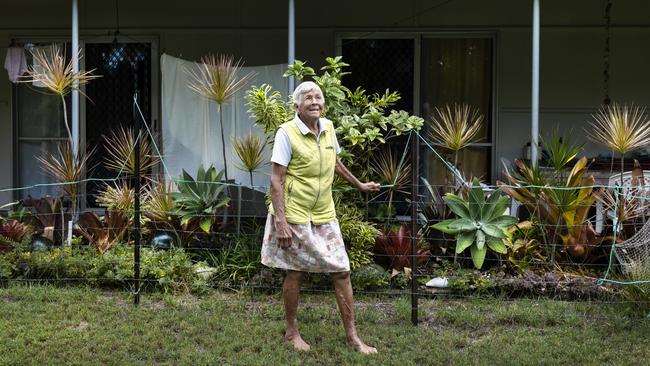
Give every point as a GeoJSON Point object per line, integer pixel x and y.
{"type": "Point", "coordinates": [320, 173]}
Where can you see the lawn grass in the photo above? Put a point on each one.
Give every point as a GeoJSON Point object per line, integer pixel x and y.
{"type": "Point", "coordinates": [43, 324]}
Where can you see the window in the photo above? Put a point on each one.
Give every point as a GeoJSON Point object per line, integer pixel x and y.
{"type": "Point", "coordinates": [38, 117]}
{"type": "Point", "coordinates": [40, 127]}
{"type": "Point", "coordinates": [431, 71]}
{"type": "Point", "coordinates": [459, 71]}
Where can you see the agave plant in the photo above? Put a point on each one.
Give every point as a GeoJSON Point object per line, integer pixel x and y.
{"type": "Point", "coordinates": [481, 223]}
{"type": "Point", "coordinates": [67, 169]}
{"type": "Point", "coordinates": [250, 150]}
{"type": "Point", "coordinates": [51, 70]}
{"type": "Point", "coordinates": [455, 128]}
{"type": "Point", "coordinates": [120, 147]}
{"type": "Point", "coordinates": [104, 232]}
{"type": "Point", "coordinates": [199, 199]}
{"type": "Point", "coordinates": [217, 79]}
{"type": "Point", "coordinates": [392, 171]}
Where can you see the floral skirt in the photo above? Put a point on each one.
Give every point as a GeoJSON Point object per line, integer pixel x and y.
{"type": "Point", "coordinates": [314, 248]}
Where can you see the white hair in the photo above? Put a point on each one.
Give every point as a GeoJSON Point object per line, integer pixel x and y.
{"type": "Point", "coordinates": [304, 88]}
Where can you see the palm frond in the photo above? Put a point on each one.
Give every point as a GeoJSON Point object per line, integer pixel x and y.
{"type": "Point", "coordinates": [455, 128]}
{"type": "Point", "coordinates": [620, 128]}
{"type": "Point", "coordinates": [217, 78]}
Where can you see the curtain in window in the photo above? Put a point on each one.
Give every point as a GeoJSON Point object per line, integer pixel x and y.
{"type": "Point", "coordinates": [458, 70]}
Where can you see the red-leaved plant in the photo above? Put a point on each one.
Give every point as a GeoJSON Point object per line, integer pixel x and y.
{"type": "Point", "coordinates": [396, 245]}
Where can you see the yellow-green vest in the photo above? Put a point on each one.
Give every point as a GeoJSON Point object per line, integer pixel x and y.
{"type": "Point", "coordinates": [308, 183]}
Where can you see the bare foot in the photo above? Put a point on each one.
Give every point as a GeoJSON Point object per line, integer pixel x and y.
{"type": "Point", "coordinates": [297, 342]}
{"type": "Point", "coordinates": [361, 347]}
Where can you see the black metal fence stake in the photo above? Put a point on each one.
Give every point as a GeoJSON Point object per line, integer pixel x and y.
{"type": "Point", "coordinates": [136, 204]}
{"type": "Point", "coordinates": [415, 163]}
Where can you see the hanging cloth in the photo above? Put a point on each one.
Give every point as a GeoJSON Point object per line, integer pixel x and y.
{"type": "Point", "coordinates": [15, 63]}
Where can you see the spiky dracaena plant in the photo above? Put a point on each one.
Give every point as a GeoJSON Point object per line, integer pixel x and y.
{"type": "Point", "coordinates": [217, 79]}
{"type": "Point", "coordinates": [622, 129]}
{"type": "Point", "coordinates": [250, 150]}
{"type": "Point", "coordinates": [455, 128]}
{"type": "Point", "coordinates": [67, 169]}
{"type": "Point", "coordinates": [392, 171]}
{"type": "Point", "coordinates": [120, 147]}
{"type": "Point", "coordinates": [51, 70]}
{"type": "Point", "coordinates": [118, 197]}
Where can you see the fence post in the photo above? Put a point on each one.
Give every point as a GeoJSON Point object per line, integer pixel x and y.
{"type": "Point", "coordinates": [415, 163]}
{"type": "Point", "coordinates": [136, 204]}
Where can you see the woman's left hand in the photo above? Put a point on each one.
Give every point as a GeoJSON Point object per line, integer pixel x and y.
{"type": "Point", "coordinates": [369, 187]}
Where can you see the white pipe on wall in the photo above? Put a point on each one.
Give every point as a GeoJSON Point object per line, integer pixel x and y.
{"type": "Point", "coordinates": [534, 143]}
{"type": "Point", "coordinates": [75, 69]}
{"type": "Point", "coordinates": [292, 40]}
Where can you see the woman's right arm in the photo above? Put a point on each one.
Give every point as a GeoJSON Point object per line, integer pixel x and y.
{"type": "Point", "coordinates": [282, 229]}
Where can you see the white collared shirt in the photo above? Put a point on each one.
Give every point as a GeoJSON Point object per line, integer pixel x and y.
{"type": "Point", "coordinates": [282, 146]}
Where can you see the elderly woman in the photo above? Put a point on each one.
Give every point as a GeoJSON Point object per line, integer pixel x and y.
{"type": "Point", "coordinates": [302, 233]}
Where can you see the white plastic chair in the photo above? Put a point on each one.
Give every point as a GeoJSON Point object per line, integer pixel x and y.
{"type": "Point", "coordinates": [642, 193]}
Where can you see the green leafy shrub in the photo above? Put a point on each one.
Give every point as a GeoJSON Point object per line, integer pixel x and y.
{"type": "Point", "coordinates": [359, 235]}
{"type": "Point", "coordinates": [170, 270]}
{"type": "Point", "coordinates": [6, 268]}
{"type": "Point", "coordinates": [237, 262]}
{"type": "Point", "coordinates": [370, 277]}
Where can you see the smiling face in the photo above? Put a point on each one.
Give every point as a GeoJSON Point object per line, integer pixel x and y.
{"type": "Point", "coordinates": [310, 106]}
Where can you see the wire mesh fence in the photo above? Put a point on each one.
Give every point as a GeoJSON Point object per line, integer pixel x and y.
{"type": "Point", "coordinates": [458, 239]}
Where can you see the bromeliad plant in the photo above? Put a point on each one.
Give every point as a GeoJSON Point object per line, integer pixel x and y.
{"type": "Point", "coordinates": [104, 232]}
{"type": "Point", "coordinates": [563, 209]}
{"type": "Point", "coordinates": [199, 199]}
{"type": "Point", "coordinates": [481, 223]}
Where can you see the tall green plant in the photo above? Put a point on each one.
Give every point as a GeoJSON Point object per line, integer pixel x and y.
{"type": "Point", "coordinates": [218, 79]}
{"type": "Point", "coordinates": [481, 223]}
